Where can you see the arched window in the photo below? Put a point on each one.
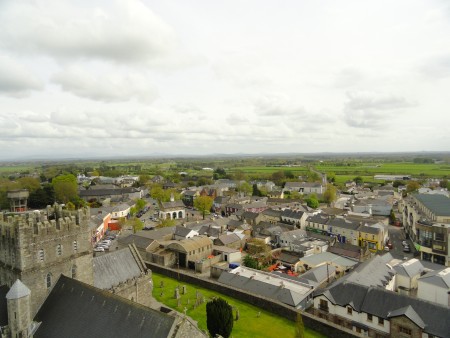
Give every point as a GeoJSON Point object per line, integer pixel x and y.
{"type": "Point", "coordinates": [59, 250]}
{"type": "Point", "coordinates": [74, 271]}
{"type": "Point", "coordinates": [49, 280]}
{"type": "Point", "coordinates": [75, 246]}
{"type": "Point", "coordinates": [41, 255]}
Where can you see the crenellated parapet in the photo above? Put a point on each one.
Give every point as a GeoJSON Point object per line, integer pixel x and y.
{"type": "Point", "coordinates": [53, 220]}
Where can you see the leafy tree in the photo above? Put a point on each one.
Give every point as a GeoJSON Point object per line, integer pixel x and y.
{"type": "Point", "coordinates": [245, 188]}
{"type": "Point", "coordinates": [70, 206]}
{"type": "Point", "coordinates": [329, 195]}
{"type": "Point", "coordinates": [397, 183]}
{"type": "Point", "coordinates": [358, 180]}
{"type": "Point", "coordinates": [295, 195]}
{"type": "Point", "coordinates": [278, 177]}
{"type": "Point", "coordinates": [140, 204]}
{"type": "Point", "coordinates": [392, 216]}
{"type": "Point", "coordinates": [203, 204]}
{"type": "Point", "coordinates": [299, 326]}
{"type": "Point", "coordinates": [168, 222]}
{"type": "Point", "coordinates": [66, 187]}
{"type": "Point", "coordinates": [239, 175]}
{"type": "Point", "coordinates": [250, 262]}
{"type": "Point", "coordinates": [331, 177]}
{"type": "Point", "coordinates": [257, 246]}
{"type": "Point", "coordinates": [312, 201]}
{"type": "Point", "coordinates": [219, 318]}
{"type": "Point", "coordinates": [443, 183]}
{"type": "Point", "coordinates": [42, 197]}
{"type": "Point", "coordinates": [29, 183]}
{"type": "Point", "coordinates": [203, 181]}
{"type": "Point", "coordinates": [157, 192]}
{"type": "Point", "coordinates": [289, 174]}
{"type": "Point", "coordinates": [412, 186]}
{"type": "Point", "coordinates": [134, 222]}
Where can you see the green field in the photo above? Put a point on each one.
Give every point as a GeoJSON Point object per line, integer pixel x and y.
{"type": "Point", "coordinates": [266, 325]}
{"type": "Point", "coordinates": [371, 169]}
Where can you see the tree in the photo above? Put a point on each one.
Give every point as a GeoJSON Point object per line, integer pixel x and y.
{"type": "Point", "coordinates": [157, 192]}
{"type": "Point", "coordinates": [135, 223]}
{"type": "Point", "coordinates": [312, 201]}
{"type": "Point", "coordinates": [329, 195]}
{"type": "Point", "coordinates": [358, 180]}
{"type": "Point", "coordinates": [443, 183]}
{"type": "Point", "coordinates": [256, 191]}
{"type": "Point", "coordinates": [66, 187]}
{"type": "Point", "coordinates": [140, 204]}
{"type": "Point", "coordinates": [250, 262]}
{"type": "Point", "coordinates": [412, 186]}
{"type": "Point", "coordinates": [29, 183]}
{"type": "Point", "coordinates": [245, 188]}
{"type": "Point", "coordinates": [299, 326]}
{"type": "Point", "coordinates": [203, 204]}
{"type": "Point", "coordinates": [219, 318]}
{"type": "Point", "coordinates": [168, 222]}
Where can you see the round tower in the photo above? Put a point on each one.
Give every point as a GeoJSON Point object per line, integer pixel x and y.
{"type": "Point", "coordinates": [19, 314]}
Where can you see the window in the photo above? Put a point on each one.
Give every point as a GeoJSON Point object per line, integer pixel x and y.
{"type": "Point", "coordinates": [349, 310]}
{"type": "Point", "coordinates": [59, 250]}
{"type": "Point", "coordinates": [405, 330]}
{"type": "Point", "coordinates": [74, 271]}
{"type": "Point", "coordinates": [41, 255]}
{"type": "Point", "coordinates": [49, 280]}
{"type": "Point", "coordinates": [75, 246]}
{"type": "Point", "coordinates": [381, 321]}
{"type": "Point", "coordinates": [369, 317]}
{"type": "Point", "coordinates": [323, 305]}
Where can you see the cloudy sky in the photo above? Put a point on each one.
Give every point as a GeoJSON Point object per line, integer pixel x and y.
{"type": "Point", "coordinates": [118, 78]}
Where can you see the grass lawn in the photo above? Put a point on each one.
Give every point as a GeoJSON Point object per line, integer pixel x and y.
{"type": "Point", "coordinates": [249, 324]}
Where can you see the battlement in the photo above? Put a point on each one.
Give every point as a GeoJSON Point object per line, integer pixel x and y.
{"type": "Point", "coordinates": [54, 219]}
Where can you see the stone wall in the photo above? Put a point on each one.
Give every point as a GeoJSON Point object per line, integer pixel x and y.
{"type": "Point", "coordinates": [317, 324]}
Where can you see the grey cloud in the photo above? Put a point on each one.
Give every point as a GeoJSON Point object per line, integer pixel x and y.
{"type": "Point", "coordinates": [123, 31]}
{"type": "Point", "coordinates": [106, 88]}
{"type": "Point", "coordinates": [436, 68]}
{"type": "Point", "coordinates": [15, 79]}
{"type": "Point", "coordinates": [372, 110]}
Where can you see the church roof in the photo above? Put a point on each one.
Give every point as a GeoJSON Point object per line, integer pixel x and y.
{"type": "Point", "coordinates": [76, 309]}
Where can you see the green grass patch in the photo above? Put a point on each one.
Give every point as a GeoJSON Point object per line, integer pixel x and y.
{"type": "Point", "coordinates": [266, 325]}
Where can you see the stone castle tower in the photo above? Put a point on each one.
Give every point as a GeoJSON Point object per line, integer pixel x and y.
{"type": "Point", "coordinates": [37, 247]}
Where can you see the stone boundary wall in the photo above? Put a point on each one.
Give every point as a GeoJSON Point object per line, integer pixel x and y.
{"type": "Point", "coordinates": [310, 321]}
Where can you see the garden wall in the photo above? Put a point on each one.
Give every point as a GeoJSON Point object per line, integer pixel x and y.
{"type": "Point", "coordinates": [310, 321]}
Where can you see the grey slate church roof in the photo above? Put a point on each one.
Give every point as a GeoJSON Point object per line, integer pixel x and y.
{"type": "Point", "coordinates": [75, 309]}
{"type": "Point", "coordinates": [115, 268]}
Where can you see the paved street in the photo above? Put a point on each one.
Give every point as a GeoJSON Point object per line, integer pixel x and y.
{"type": "Point", "coordinates": [396, 236]}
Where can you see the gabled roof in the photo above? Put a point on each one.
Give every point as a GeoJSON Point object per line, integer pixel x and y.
{"type": "Point", "coordinates": [409, 312]}
{"type": "Point", "coordinates": [289, 257]}
{"type": "Point", "coordinates": [343, 223]}
{"type": "Point", "coordinates": [117, 267]}
{"type": "Point", "coordinates": [373, 272]}
{"type": "Point", "coordinates": [319, 273]}
{"type": "Point", "coordinates": [228, 239]}
{"type": "Point", "coordinates": [295, 214]}
{"type": "Point", "coordinates": [182, 231]}
{"type": "Point", "coordinates": [140, 242]}
{"type": "Point", "coordinates": [410, 268]}
{"type": "Point", "coordinates": [385, 304]}
{"type": "Point", "coordinates": [437, 204]}
{"type": "Point", "coordinates": [272, 213]}
{"type": "Point", "coordinates": [173, 205]}
{"type": "Point", "coordinates": [320, 219]}
{"type": "Point", "coordinates": [437, 278]}
{"type": "Point", "coordinates": [76, 309]}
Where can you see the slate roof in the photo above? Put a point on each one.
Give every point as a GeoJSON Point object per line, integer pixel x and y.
{"type": "Point", "coordinates": [438, 204]}
{"type": "Point", "coordinates": [182, 231]}
{"type": "Point", "coordinates": [369, 229]}
{"type": "Point", "coordinates": [288, 213]}
{"type": "Point", "coordinates": [272, 213]}
{"type": "Point", "coordinates": [294, 234]}
{"type": "Point", "coordinates": [410, 268]}
{"type": "Point", "coordinates": [116, 267]}
{"type": "Point", "coordinates": [209, 231]}
{"type": "Point", "coordinates": [140, 242]}
{"type": "Point", "coordinates": [320, 219]}
{"type": "Point", "coordinates": [385, 304]}
{"type": "Point", "coordinates": [250, 215]}
{"type": "Point", "coordinates": [319, 274]}
{"type": "Point", "coordinates": [266, 289]}
{"type": "Point", "coordinates": [75, 309]}
{"type": "Point", "coordinates": [346, 250]}
{"type": "Point", "coordinates": [227, 239]}
{"type": "Point", "coordinates": [323, 257]}
{"type": "Point", "coordinates": [289, 257]}
{"type": "Point", "coordinates": [172, 205]}
{"type": "Point", "coordinates": [342, 223]}
{"type": "Point", "coordinates": [437, 278]}
{"type": "Point", "coordinates": [373, 272]}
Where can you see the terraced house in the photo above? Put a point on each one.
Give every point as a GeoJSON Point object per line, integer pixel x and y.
{"type": "Point", "coordinates": [426, 219]}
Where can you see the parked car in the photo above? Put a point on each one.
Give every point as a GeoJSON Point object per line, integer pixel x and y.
{"type": "Point", "coordinates": [404, 243]}
{"type": "Point", "coordinates": [99, 249]}
{"type": "Point", "coordinates": [386, 248]}
{"type": "Point", "coordinates": [389, 245]}
{"type": "Point", "coordinates": [406, 249]}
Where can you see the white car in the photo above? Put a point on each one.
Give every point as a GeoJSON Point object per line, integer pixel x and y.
{"type": "Point", "coordinates": [99, 249]}
{"type": "Point", "coordinates": [404, 243]}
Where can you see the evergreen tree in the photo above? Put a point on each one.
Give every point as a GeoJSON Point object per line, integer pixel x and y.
{"type": "Point", "coordinates": [219, 318]}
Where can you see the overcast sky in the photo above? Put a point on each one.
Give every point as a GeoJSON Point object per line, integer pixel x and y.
{"type": "Point", "coordinates": [115, 78]}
